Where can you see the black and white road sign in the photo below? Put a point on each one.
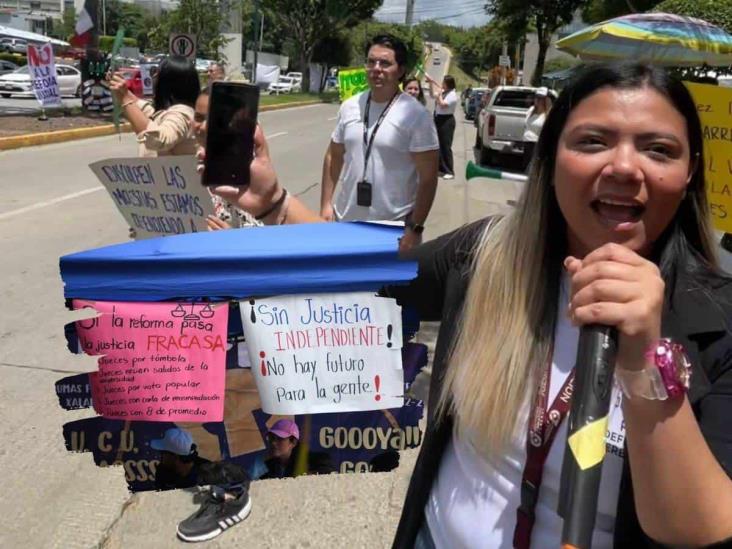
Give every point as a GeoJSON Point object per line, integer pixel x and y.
{"type": "Point", "coordinates": [183, 45]}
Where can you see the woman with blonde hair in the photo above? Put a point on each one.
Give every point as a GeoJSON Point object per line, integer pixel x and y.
{"type": "Point", "coordinates": [612, 228]}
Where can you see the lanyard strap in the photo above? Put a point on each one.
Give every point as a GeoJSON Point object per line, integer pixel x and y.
{"type": "Point", "coordinates": [369, 142]}
{"type": "Point", "coordinates": [543, 426]}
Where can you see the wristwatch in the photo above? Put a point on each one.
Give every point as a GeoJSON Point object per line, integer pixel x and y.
{"type": "Point", "coordinates": [668, 377]}
{"type": "Point", "coordinates": [416, 228]}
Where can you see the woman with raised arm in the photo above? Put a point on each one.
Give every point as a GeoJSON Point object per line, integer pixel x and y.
{"type": "Point", "coordinates": [163, 127]}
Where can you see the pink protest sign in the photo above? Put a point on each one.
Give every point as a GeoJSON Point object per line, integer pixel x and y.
{"type": "Point", "coordinates": [159, 361]}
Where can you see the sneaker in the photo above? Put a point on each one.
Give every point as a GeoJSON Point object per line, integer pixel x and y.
{"type": "Point", "coordinates": [215, 515]}
{"type": "Point", "coordinates": [448, 176]}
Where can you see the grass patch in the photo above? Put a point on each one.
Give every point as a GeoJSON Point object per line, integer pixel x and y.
{"type": "Point", "coordinates": [462, 78]}
{"type": "Point", "coordinates": [284, 98]}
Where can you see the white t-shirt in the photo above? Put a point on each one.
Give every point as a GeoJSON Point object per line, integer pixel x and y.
{"type": "Point", "coordinates": [534, 123]}
{"type": "Point", "coordinates": [451, 99]}
{"type": "Point", "coordinates": [407, 128]}
{"type": "Point", "coordinates": [473, 500]}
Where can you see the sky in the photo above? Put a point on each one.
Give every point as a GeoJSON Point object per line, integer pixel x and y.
{"type": "Point", "coordinates": [460, 13]}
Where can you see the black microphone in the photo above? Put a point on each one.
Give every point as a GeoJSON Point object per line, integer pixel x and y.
{"type": "Point", "coordinates": [585, 449]}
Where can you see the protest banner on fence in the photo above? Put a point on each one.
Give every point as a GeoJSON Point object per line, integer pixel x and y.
{"type": "Point", "coordinates": [42, 68]}
{"type": "Point", "coordinates": [714, 105]}
{"type": "Point", "coordinates": [160, 361]}
{"type": "Point", "coordinates": [157, 196]}
{"type": "Point", "coordinates": [325, 352]}
{"type": "Point", "coordinates": [351, 82]}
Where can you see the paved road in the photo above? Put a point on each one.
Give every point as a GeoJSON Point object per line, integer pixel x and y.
{"type": "Point", "coordinates": [22, 105]}
{"type": "Point", "coordinates": [50, 205]}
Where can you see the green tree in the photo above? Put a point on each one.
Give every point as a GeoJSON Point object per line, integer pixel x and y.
{"type": "Point", "coordinates": [360, 35]}
{"type": "Point", "coordinates": [64, 30]}
{"type": "Point", "coordinates": [434, 31]}
{"type": "Point", "coordinates": [602, 10]}
{"type": "Point", "coordinates": [546, 16]}
{"type": "Point", "coordinates": [717, 12]}
{"type": "Point", "coordinates": [477, 48]}
{"type": "Point", "coordinates": [202, 18]}
{"type": "Point", "coordinates": [307, 22]}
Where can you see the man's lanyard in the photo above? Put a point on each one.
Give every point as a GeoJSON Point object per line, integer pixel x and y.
{"type": "Point", "coordinates": [369, 142]}
{"type": "Point", "coordinates": [543, 426]}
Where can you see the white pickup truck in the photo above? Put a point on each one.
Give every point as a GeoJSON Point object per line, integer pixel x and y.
{"type": "Point", "coordinates": [501, 123]}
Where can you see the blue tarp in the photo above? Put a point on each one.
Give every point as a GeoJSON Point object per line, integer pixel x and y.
{"type": "Point", "coordinates": [289, 259]}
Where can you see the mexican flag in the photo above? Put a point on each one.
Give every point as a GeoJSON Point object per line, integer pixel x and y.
{"type": "Point", "coordinates": [84, 24]}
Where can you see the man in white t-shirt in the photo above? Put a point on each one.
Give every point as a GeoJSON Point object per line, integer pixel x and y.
{"type": "Point", "coordinates": [383, 154]}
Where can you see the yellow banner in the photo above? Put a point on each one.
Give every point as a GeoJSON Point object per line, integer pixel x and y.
{"type": "Point", "coordinates": [351, 82]}
{"type": "Point", "coordinates": [714, 104]}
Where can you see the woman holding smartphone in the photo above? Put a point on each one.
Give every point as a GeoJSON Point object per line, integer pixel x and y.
{"type": "Point", "coordinates": [165, 126]}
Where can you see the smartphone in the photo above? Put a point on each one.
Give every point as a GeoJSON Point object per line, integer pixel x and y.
{"type": "Point", "coordinates": [232, 119]}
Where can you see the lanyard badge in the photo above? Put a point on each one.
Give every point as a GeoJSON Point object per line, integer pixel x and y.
{"type": "Point", "coordinates": [364, 189]}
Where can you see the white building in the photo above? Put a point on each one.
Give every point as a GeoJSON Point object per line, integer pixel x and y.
{"type": "Point", "coordinates": [31, 15]}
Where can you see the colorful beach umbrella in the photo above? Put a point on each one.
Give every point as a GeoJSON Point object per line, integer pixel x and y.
{"type": "Point", "coordinates": [659, 38]}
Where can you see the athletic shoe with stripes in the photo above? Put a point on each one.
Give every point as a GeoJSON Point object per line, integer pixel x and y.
{"type": "Point", "coordinates": [215, 515]}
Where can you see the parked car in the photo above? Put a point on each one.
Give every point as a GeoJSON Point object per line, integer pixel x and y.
{"type": "Point", "coordinates": [133, 78]}
{"type": "Point", "coordinates": [285, 84]}
{"type": "Point", "coordinates": [296, 76]}
{"type": "Point", "coordinates": [501, 123]}
{"type": "Point", "coordinates": [7, 66]}
{"type": "Point", "coordinates": [14, 45]}
{"type": "Point", "coordinates": [19, 82]}
{"type": "Point", "coordinates": [202, 65]}
{"type": "Point", "coordinates": [472, 102]}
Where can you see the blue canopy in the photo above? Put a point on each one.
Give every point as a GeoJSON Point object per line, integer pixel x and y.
{"type": "Point", "coordinates": [288, 259]}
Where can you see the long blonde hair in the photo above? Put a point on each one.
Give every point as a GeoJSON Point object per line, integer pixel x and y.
{"type": "Point", "coordinates": [506, 331]}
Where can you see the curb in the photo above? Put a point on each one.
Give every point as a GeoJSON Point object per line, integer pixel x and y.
{"type": "Point", "coordinates": [47, 138]}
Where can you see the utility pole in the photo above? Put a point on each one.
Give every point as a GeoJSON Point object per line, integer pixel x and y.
{"type": "Point", "coordinates": [255, 46]}
{"type": "Point", "coordinates": [410, 13]}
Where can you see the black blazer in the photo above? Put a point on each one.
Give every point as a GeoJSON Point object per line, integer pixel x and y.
{"type": "Point", "coordinates": [698, 318]}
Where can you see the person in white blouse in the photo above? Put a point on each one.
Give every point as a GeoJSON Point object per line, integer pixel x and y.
{"type": "Point", "coordinates": [446, 100]}
{"type": "Point", "coordinates": [534, 121]}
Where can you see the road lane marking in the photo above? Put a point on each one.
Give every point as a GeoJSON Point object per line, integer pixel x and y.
{"type": "Point", "coordinates": [46, 203]}
{"type": "Point", "coordinates": [332, 118]}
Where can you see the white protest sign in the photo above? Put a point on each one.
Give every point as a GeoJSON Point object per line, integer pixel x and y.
{"type": "Point", "coordinates": [43, 74]}
{"type": "Point", "coordinates": [157, 196]}
{"type": "Point", "coordinates": [325, 352]}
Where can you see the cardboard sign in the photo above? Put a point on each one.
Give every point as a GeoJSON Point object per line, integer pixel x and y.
{"type": "Point", "coordinates": [183, 45]}
{"type": "Point", "coordinates": [351, 82]}
{"type": "Point", "coordinates": [714, 105]}
{"type": "Point", "coordinates": [157, 196]}
{"type": "Point", "coordinates": [159, 361]}
{"type": "Point", "coordinates": [325, 352]}
{"type": "Point", "coordinates": [43, 74]}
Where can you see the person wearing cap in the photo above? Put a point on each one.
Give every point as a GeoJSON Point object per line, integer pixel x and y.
{"type": "Point", "coordinates": [282, 440]}
{"type": "Point", "coordinates": [179, 460]}
{"type": "Point", "coordinates": [225, 504]}
{"type": "Point", "coordinates": [534, 121]}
